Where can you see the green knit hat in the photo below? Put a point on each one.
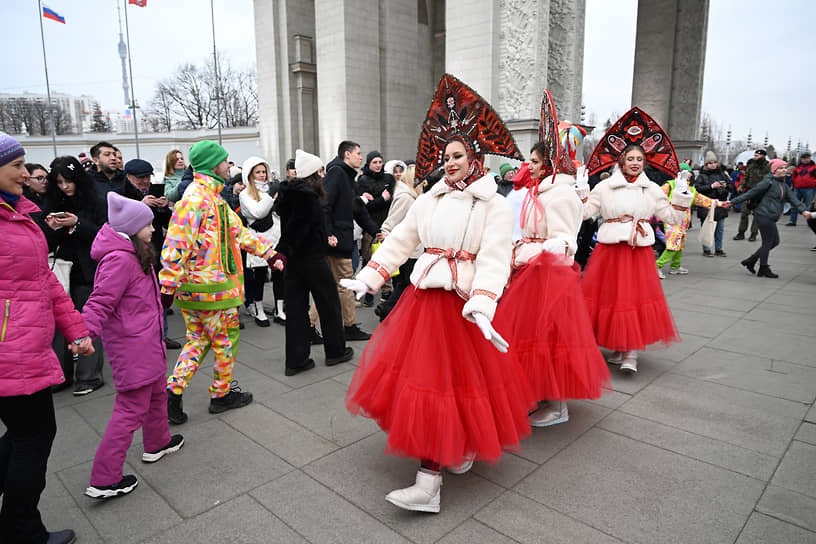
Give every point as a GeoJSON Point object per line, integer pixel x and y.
{"type": "Point", "coordinates": [504, 168]}
{"type": "Point", "coordinates": [685, 166]}
{"type": "Point", "coordinates": [206, 154]}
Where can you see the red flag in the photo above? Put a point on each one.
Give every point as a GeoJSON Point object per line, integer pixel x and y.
{"type": "Point", "coordinates": [140, 3]}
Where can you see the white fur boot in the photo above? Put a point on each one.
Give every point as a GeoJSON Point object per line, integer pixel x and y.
{"type": "Point", "coordinates": [554, 413]}
{"type": "Point", "coordinates": [260, 315]}
{"type": "Point", "coordinates": [423, 496]}
{"type": "Point", "coordinates": [280, 315]}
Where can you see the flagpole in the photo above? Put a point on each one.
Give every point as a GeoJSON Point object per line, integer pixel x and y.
{"type": "Point", "coordinates": [132, 94]}
{"type": "Point", "coordinates": [47, 84]}
{"type": "Point", "coordinates": [217, 77]}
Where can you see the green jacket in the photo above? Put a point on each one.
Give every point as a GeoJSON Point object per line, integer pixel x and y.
{"type": "Point", "coordinates": [774, 194]}
{"type": "Point", "coordinates": [754, 172]}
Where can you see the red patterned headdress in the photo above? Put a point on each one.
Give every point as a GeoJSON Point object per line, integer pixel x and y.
{"type": "Point", "coordinates": [635, 127]}
{"type": "Point", "coordinates": [549, 134]}
{"type": "Point", "coordinates": [458, 112]}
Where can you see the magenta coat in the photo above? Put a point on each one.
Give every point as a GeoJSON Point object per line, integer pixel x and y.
{"type": "Point", "coordinates": [125, 310]}
{"type": "Point", "coordinates": [32, 300]}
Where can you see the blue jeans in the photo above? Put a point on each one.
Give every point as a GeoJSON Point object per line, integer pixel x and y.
{"type": "Point", "coordinates": [805, 196]}
{"type": "Point", "coordinates": [718, 235]}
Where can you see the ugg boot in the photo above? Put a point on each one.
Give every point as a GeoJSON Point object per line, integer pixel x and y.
{"type": "Point", "coordinates": [629, 363]}
{"type": "Point", "coordinates": [280, 315]}
{"type": "Point", "coordinates": [765, 272]}
{"type": "Point", "coordinates": [616, 358]}
{"type": "Point", "coordinates": [750, 263]}
{"type": "Point", "coordinates": [554, 413]}
{"type": "Point", "coordinates": [423, 496]}
{"type": "Point", "coordinates": [260, 315]}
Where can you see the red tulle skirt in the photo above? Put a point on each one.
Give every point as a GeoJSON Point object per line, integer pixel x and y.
{"type": "Point", "coordinates": [439, 389]}
{"type": "Point", "coordinates": [545, 317]}
{"type": "Point", "coordinates": [625, 300]}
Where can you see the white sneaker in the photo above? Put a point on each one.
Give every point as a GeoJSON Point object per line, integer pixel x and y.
{"type": "Point", "coordinates": [679, 271]}
{"type": "Point", "coordinates": [250, 310]}
{"type": "Point", "coordinates": [461, 469]}
{"type": "Point", "coordinates": [552, 415]}
{"type": "Point", "coordinates": [661, 275]}
{"type": "Point", "coordinates": [629, 364]}
{"type": "Point", "coordinates": [616, 358]}
{"type": "Point", "coordinates": [423, 496]}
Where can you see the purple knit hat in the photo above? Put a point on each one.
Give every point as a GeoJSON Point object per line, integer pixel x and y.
{"type": "Point", "coordinates": [126, 215]}
{"type": "Point", "coordinates": [10, 149]}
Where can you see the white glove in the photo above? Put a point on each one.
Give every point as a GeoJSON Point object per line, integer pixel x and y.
{"type": "Point", "coordinates": [681, 183]}
{"type": "Point", "coordinates": [357, 286]}
{"type": "Point", "coordinates": [489, 332]}
{"type": "Point", "coordinates": [555, 245]}
{"type": "Point", "coordinates": [581, 178]}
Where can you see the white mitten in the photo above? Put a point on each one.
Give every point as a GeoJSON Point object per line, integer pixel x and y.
{"type": "Point", "coordinates": [357, 286]}
{"type": "Point", "coordinates": [681, 182]}
{"type": "Point", "coordinates": [555, 245]}
{"type": "Point", "coordinates": [490, 333]}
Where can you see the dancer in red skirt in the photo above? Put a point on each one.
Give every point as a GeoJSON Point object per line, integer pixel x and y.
{"type": "Point", "coordinates": [552, 337]}
{"type": "Point", "coordinates": [624, 297]}
{"type": "Point", "coordinates": [435, 375]}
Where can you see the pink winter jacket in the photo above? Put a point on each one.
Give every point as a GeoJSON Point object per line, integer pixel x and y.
{"type": "Point", "coordinates": [125, 310]}
{"type": "Point", "coordinates": [32, 300]}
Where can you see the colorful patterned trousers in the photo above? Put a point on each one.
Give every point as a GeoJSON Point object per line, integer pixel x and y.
{"type": "Point", "coordinates": [207, 328]}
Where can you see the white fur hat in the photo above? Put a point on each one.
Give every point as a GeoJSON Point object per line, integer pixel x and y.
{"type": "Point", "coordinates": [306, 164]}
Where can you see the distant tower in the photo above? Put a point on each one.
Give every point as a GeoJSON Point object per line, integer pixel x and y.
{"type": "Point", "coordinates": [123, 56]}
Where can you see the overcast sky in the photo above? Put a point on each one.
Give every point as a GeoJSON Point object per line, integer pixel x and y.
{"type": "Point", "coordinates": [759, 71]}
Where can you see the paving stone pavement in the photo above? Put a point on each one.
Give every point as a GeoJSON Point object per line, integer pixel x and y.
{"type": "Point", "coordinates": [713, 440]}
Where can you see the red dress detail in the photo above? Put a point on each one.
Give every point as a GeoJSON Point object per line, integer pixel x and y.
{"type": "Point", "coordinates": [545, 317]}
{"type": "Point", "coordinates": [439, 389]}
{"type": "Point", "coordinates": [625, 301]}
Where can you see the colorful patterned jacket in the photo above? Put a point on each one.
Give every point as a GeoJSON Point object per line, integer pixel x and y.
{"type": "Point", "coordinates": [201, 257]}
{"type": "Point", "coordinates": [676, 234]}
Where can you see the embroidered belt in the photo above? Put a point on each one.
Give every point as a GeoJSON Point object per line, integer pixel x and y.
{"type": "Point", "coordinates": [637, 227]}
{"type": "Point", "coordinates": [520, 242]}
{"type": "Point", "coordinates": [452, 258]}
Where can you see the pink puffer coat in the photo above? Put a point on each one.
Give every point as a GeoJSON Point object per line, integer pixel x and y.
{"type": "Point", "coordinates": [31, 301]}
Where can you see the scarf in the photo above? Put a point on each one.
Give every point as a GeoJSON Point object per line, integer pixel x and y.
{"type": "Point", "coordinates": [475, 172]}
{"type": "Point", "coordinates": [10, 199]}
{"type": "Point", "coordinates": [262, 186]}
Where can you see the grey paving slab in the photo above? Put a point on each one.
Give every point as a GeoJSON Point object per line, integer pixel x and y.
{"type": "Point", "coordinates": [473, 531]}
{"type": "Point", "coordinates": [321, 408]}
{"type": "Point", "coordinates": [291, 442]}
{"type": "Point", "coordinates": [757, 291]}
{"type": "Point", "coordinates": [364, 475]}
{"type": "Point", "coordinates": [807, 433]}
{"type": "Point", "coordinates": [694, 299]}
{"type": "Point", "coordinates": [509, 471]}
{"type": "Point", "coordinates": [793, 300]}
{"type": "Point", "coordinates": [773, 316]}
{"type": "Point", "coordinates": [545, 442]}
{"type": "Point", "coordinates": [742, 418]}
{"type": "Point", "coordinates": [75, 443]}
{"type": "Point", "coordinates": [796, 472]}
{"type": "Point", "coordinates": [319, 514]}
{"type": "Point", "coordinates": [124, 519]}
{"type": "Point", "coordinates": [753, 338]}
{"type": "Point", "coordinates": [762, 529]}
{"type": "Point", "coordinates": [758, 374]}
{"type": "Point", "coordinates": [530, 522]}
{"type": "Point", "coordinates": [789, 506]}
{"type": "Point", "coordinates": [216, 464]}
{"type": "Point", "coordinates": [811, 415]}
{"type": "Point", "coordinates": [60, 511]}
{"type": "Point", "coordinates": [345, 377]}
{"type": "Point", "coordinates": [611, 399]}
{"type": "Point", "coordinates": [678, 352]}
{"type": "Point", "coordinates": [693, 321]}
{"type": "Point", "coordinates": [240, 521]}
{"type": "Point", "coordinates": [651, 364]}
{"type": "Point", "coordinates": [710, 450]}
{"type": "Point", "coordinates": [641, 493]}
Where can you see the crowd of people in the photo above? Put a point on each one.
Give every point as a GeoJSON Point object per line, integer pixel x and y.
{"type": "Point", "coordinates": [99, 252]}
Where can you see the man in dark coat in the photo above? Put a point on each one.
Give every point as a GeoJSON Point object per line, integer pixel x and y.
{"type": "Point", "coordinates": [756, 169]}
{"type": "Point", "coordinates": [714, 182]}
{"type": "Point", "coordinates": [107, 173]}
{"type": "Point", "coordinates": [338, 210]}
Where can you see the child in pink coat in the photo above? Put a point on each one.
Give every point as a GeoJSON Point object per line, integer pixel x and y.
{"type": "Point", "coordinates": [125, 310]}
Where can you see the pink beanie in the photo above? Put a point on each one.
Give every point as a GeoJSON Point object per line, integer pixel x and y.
{"type": "Point", "coordinates": [776, 163]}
{"type": "Point", "coordinates": [126, 215]}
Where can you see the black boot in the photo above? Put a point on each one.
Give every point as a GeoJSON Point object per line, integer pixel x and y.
{"type": "Point", "coordinates": [175, 409]}
{"type": "Point", "coordinates": [752, 238]}
{"type": "Point", "coordinates": [739, 236]}
{"type": "Point", "coordinates": [749, 263]}
{"type": "Point", "coordinates": [765, 272]}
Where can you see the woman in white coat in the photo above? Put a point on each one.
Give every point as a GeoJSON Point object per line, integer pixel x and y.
{"type": "Point", "coordinates": [429, 376]}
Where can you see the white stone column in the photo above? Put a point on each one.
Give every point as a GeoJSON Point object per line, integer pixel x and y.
{"type": "Point", "coordinates": [565, 68]}
{"type": "Point", "coordinates": [654, 57]}
{"type": "Point", "coordinates": [688, 68]}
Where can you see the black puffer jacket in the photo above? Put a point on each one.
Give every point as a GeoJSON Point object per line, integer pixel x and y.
{"type": "Point", "coordinates": [374, 183]}
{"type": "Point", "coordinates": [703, 185]}
{"type": "Point", "coordinates": [303, 227]}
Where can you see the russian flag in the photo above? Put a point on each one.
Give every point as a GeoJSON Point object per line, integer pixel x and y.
{"type": "Point", "coordinates": [49, 13]}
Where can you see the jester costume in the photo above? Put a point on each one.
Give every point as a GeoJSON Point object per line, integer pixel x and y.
{"type": "Point", "coordinates": [201, 266]}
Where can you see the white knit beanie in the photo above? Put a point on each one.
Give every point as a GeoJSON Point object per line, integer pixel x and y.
{"type": "Point", "coordinates": [306, 164]}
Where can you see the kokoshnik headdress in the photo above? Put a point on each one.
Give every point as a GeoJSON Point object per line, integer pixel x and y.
{"type": "Point", "coordinates": [635, 127]}
{"type": "Point", "coordinates": [457, 112]}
